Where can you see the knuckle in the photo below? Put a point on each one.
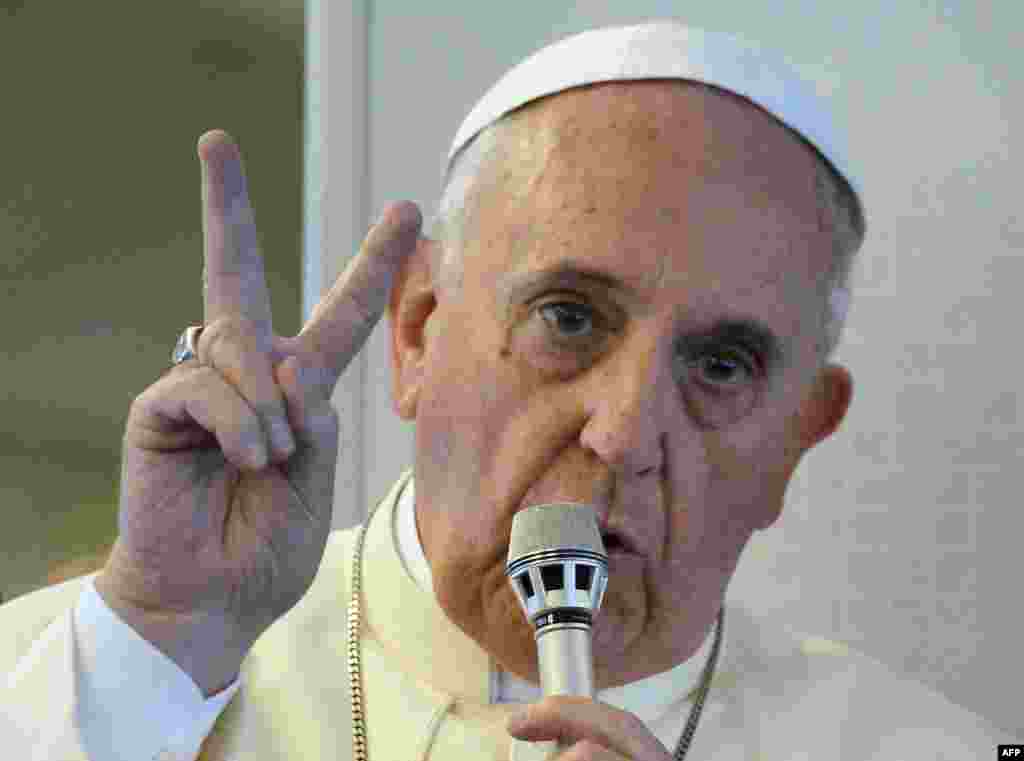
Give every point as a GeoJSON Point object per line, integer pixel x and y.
{"type": "Point", "coordinates": [213, 337]}
{"type": "Point", "coordinates": [236, 348]}
{"type": "Point", "coordinates": [205, 375]}
{"type": "Point", "coordinates": [163, 385]}
{"type": "Point", "coordinates": [233, 330]}
{"type": "Point", "coordinates": [211, 388]}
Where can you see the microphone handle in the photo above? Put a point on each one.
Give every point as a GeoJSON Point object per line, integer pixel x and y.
{"type": "Point", "coordinates": [565, 659]}
{"type": "Point", "coordinates": [566, 664]}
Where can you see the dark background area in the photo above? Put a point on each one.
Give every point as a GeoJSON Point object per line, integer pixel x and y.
{"type": "Point", "coordinates": [101, 234]}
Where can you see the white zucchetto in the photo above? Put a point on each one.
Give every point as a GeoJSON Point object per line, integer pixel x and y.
{"type": "Point", "coordinates": [665, 49]}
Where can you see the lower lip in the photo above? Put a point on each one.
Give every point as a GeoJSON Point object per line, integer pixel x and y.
{"type": "Point", "coordinates": [621, 556]}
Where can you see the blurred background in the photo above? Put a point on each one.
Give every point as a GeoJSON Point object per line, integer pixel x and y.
{"type": "Point", "coordinates": [101, 235]}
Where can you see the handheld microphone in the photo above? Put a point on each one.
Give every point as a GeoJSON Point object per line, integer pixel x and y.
{"type": "Point", "coordinates": [558, 567]}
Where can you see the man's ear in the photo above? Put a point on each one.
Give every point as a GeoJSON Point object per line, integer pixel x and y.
{"type": "Point", "coordinates": [819, 416]}
{"type": "Point", "coordinates": [828, 404]}
{"type": "Point", "coordinates": [411, 305]}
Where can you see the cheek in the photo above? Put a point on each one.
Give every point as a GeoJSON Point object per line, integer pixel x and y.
{"type": "Point", "coordinates": [448, 400]}
{"type": "Point", "coordinates": [745, 488]}
{"type": "Point", "coordinates": [460, 417]}
{"type": "Point", "coordinates": [481, 396]}
{"type": "Point", "coordinates": [435, 441]}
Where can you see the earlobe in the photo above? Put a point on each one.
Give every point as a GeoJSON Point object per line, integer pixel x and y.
{"type": "Point", "coordinates": [831, 402]}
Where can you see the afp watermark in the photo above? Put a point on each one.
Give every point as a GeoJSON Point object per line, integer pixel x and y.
{"type": "Point", "coordinates": [1015, 752]}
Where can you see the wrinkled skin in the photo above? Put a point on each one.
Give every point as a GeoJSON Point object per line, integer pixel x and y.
{"type": "Point", "coordinates": [228, 462]}
{"type": "Point", "coordinates": [706, 206]}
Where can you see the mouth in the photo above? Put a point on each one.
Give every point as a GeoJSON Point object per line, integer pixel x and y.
{"type": "Point", "coordinates": [616, 542]}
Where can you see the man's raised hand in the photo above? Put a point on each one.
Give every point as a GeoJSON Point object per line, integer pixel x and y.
{"type": "Point", "coordinates": [228, 460]}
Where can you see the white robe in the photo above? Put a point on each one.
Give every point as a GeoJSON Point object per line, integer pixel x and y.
{"type": "Point", "coordinates": [430, 692]}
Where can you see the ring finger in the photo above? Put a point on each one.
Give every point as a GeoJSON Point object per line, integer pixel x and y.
{"type": "Point", "coordinates": [234, 348]}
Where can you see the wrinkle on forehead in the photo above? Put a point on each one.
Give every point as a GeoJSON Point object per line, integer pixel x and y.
{"type": "Point", "coordinates": [561, 164]}
{"type": "Point", "coordinates": [647, 112]}
{"type": "Point", "coordinates": [703, 131]}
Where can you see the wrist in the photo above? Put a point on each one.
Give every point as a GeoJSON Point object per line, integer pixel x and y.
{"type": "Point", "coordinates": [208, 650]}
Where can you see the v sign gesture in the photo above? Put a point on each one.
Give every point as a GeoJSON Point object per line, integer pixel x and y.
{"type": "Point", "coordinates": [228, 464]}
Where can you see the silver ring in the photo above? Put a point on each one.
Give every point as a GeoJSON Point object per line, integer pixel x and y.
{"type": "Point", "coordinates": [186, 346]}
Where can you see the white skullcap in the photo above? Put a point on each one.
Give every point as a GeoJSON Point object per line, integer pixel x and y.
{"type": "Point", "coordinates": [660, 50]}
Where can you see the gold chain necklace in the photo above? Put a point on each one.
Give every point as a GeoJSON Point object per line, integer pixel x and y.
{"type": "Point", "coordinates": [355, 663]}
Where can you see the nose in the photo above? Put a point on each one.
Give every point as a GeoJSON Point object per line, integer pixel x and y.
{"type": "Point", "coordinates": [628, 412]}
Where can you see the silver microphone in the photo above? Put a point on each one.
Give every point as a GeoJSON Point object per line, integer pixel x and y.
{"type": "Point", "coordinates": [558, 567]}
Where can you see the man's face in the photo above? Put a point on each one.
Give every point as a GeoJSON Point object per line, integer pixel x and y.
{"type": "Point", "coordinates": [527, 390]}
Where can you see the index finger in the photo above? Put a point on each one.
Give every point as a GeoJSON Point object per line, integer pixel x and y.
{"type": "Point", "coordinates": [234, 282]}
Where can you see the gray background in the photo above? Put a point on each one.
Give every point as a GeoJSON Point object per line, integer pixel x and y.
{"type": "Point", "coordinates": [900, 532]}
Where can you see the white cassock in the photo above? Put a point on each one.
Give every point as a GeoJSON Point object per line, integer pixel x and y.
{"type": "Point", "coordinates": [80, 684]}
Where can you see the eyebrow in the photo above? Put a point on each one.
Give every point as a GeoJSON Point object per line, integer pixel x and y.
{"type": "Point", "coordinates": [741, 329]}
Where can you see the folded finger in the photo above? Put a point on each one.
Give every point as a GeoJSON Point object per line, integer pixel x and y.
{"type": "Point", "coordinates": [238, 352]}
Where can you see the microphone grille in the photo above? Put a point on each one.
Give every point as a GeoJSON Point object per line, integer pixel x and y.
{"type": "Point", "coordinates": [555, 524]}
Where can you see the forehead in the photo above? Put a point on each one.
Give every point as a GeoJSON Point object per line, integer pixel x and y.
{"type": "Point", "coordinates": [664, 183]}
{"type": "Point", "coordinates": [706, 131]}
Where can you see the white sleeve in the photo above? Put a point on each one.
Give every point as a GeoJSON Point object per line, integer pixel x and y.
{"type": "Point", "coordinates": [134, 701]}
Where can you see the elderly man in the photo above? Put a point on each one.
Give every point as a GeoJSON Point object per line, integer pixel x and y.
{"type": "Point", "coordinates": [630, 302]}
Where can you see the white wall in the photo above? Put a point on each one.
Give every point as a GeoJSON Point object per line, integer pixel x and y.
{"type": "Point", "coordinates": [900, 533]}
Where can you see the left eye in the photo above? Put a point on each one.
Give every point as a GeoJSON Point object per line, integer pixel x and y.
{"type": "Point", "coordinates": [562, 308]}
{"type": "Point", "coordinates": [731, 359]}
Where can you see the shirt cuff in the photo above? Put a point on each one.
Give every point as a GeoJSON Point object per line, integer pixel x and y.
{"type": "Point", "coordinates": [133, 697]}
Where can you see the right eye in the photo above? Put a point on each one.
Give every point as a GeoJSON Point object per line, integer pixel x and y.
{"type": "Point", "coordinates": [567, 321]}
